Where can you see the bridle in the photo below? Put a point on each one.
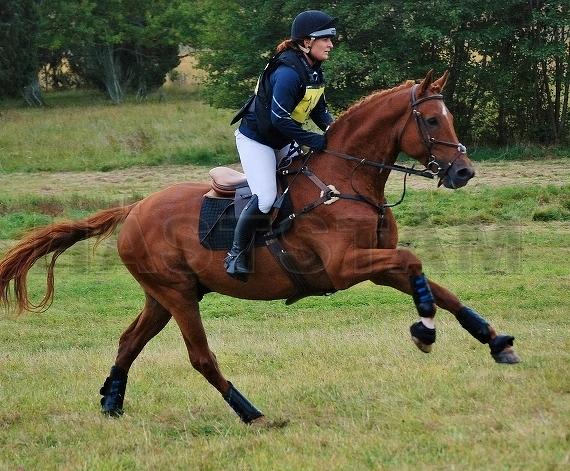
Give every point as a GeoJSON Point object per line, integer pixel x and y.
{"type": "Point", "coordinates": [329, 194]}
{"type": "Point", "coordinates": [433, 168]}
{"type": "Point", "coordinates": [428, 140]}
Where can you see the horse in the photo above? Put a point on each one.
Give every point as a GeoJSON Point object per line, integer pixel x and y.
{"type": "Point", "coordinates": [348, 236]}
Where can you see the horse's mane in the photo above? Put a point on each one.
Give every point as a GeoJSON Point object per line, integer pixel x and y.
{"type": "Point", "coordinates": [377, 94]}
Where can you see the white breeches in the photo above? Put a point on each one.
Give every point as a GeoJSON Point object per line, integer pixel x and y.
{"type": "Point", "coordinates": [259, 164]}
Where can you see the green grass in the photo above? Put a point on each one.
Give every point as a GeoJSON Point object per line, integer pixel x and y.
{"type": "Point", "coordinates": [341, 369]}
{"type": "Point", "coordinates": [482, 205]}
{"type": "Point", "coordinates": [83, 132]}
{"type": "Point", "coordinates": [485, 205]}
{"type": "Point", "coordinates": [519, 152]}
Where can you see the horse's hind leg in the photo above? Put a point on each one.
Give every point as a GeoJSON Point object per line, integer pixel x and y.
{"type": "Point", "coordinates": [148, 323]}
{"type": "Point", "coordinates": [501, 346]}
{"type": "Point", "coordinates": [183, 305]}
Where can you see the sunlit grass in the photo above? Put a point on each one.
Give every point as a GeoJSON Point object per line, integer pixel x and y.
{"type": "Point", "coordinates": [84, 132]}
{"type": "Point", "coordinates": [341, 369]}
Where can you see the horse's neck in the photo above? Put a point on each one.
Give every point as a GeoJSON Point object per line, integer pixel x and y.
{"type": "Point", "coordinates": [370, 131]}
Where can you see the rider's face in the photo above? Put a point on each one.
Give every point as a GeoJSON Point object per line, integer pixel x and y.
{"type": "Point", "coordinates": [320, 49]}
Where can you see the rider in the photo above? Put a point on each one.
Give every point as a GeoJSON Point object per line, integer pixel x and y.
{"type": "Point", "coordinates": [289, 91]}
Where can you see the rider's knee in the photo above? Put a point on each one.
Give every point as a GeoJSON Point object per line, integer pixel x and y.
{"type": "Point", "coordinates": [265, 202]}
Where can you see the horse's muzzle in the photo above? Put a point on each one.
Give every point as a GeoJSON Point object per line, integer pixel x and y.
{"type": "Point", "coordinates": [458, 175]}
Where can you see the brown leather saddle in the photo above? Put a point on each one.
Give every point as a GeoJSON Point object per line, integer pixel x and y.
{"type": "Point", "coordinates": [225, 181]}
{"type": "Point", "coordinates": [229, 183]}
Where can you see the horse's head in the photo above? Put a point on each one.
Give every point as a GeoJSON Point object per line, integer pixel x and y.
{"type": "Point", "coordinates": [432, 140]}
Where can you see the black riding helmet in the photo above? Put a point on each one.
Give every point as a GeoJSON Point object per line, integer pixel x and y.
{"type": "Point", "coordinates": [313, 24]}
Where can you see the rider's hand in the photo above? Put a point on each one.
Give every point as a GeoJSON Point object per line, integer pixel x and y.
{"type": "Point", "coordinates": [321, 143]}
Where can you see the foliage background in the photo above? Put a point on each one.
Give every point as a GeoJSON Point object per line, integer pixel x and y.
{"type": "Point", "coordinates": [509, 59]}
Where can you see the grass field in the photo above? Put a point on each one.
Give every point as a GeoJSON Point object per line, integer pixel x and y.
{"type": "Point", "coordinates": [341, 369]}
{"type": "Point", "coordinates": [80, 131]}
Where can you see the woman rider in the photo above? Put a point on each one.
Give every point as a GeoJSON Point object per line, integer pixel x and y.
{"type": "Point", "coordinates": [288, 92]}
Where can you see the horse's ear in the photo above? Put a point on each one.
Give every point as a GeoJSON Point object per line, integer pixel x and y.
{"type": "Point", "coordinates": [437, 86]}
{"type": "Point", "coordinates": [426, 82]}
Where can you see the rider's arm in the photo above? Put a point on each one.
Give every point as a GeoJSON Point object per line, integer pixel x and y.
{"type": "Point", "coordinates": [286, 89]}
{"type": "Point", "coordinates": [320, 114]}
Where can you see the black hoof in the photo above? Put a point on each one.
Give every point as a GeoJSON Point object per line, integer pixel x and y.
{"type": "Point", "coordinates": [422, 336]}
{"type": "Point", "coordinates": [115, 413]}
{"type": "Point", "coordinates": [508, 357]}
{"type": "Point", "coordinates": [502, 350]}
{"type": "Point", "coordinates": [113, 392]}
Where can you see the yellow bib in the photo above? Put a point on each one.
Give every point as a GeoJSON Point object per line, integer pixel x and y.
{"type": "Point", "coordinates": [307, 104]}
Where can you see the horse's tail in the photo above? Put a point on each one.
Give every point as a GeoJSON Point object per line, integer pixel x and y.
{"type": "Point", "coordinates": [54, 238]}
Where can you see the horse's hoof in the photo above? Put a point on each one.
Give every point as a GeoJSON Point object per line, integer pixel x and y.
{"type": "Point", "coordinates": [264, 423]}
{"type": "Point", "coordinates": [422, 336]}
{"type": "Point", "coordinates": [422, 346]}
{"type": "Point", "coordinates": [502, 349]}
{"type": "Point", "coordinates": [506, 356]}
{"type": "Point", "coordinates": [115, 413]}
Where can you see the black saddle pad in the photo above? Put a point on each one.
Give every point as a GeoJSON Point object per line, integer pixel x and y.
{"type": "Point", "coordinates": [218, 221]}
{"type": "Point", "coordinates": [217, 224]}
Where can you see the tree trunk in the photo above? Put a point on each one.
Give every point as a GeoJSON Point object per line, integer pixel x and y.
{"type": "Point", "coordinates": [558, 73]}
{"type": "Point", "coordinates": [550, 134]}
{"type": "Point", "coordinates": [112, 73]}
{"type": "Point", "coordinates": [564, 116]}
{"type": "Point", "coordinates": [32, 93]}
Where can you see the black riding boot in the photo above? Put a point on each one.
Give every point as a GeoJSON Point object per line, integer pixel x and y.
{"type": "Point", "coordinates": [237, 261]}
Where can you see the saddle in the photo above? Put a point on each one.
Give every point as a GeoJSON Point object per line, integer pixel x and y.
{"type": "Point", "coordinates": [229, 188]}
{"type": "Point", "coordinates": [229, 183]}
{"type": "Point", "coordinates": [225, 181]}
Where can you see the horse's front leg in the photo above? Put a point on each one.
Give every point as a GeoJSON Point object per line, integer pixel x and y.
{"type": "Point", "coordinates": [377, 264]}
{"type": "Point", "coordinates": [501, 346]}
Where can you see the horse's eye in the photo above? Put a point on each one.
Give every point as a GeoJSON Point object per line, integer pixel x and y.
{"type": "Point", "coordinates": [432, 121]}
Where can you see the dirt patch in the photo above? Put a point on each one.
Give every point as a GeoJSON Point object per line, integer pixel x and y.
{"type": "Point", "coordinates": [511, 173]}
{"type": "Point", "coordinates": [144, 180]}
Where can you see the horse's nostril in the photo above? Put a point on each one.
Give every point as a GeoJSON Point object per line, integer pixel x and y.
{"type": "Point", "coordinates": [465, 173]}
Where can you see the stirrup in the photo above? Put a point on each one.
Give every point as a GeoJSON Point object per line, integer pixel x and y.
{"type": "Point", "coordinates": [230, 262]}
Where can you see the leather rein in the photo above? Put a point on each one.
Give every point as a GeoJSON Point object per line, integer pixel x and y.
{"type": "Point", "coordinates": [329, 194]}
{"type": "Point", "coordinates": [433, 168]}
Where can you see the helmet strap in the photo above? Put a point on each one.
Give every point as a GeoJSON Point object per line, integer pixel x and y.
{"type": "Point", "coordinates": [307, 50]}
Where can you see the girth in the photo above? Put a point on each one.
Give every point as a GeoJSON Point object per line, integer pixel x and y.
{"type": "Point", "coordinates": [225, 183]}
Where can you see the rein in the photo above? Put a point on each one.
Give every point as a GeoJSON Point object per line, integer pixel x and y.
{"type": "Point", "coordinates": [371, 163]}
{"type": "Point", "coordinates": [329, 194]}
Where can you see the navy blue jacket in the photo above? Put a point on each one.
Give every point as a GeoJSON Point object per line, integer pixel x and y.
{"type": "Point", "coordinates": [288, 92]}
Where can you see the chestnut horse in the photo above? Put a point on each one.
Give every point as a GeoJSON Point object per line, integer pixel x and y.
{"type": "Point", "coordinates": [335, 245]}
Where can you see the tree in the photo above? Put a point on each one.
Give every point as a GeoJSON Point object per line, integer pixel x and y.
{"type": "Point", "coordinates": [509, 60]}
{"type": "Point", "coordinates": [118, 45]}
{"type": "Point", "coordinates": [18, 50]}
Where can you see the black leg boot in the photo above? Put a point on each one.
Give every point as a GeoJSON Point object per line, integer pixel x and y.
{"type": "Point", "coordinates": [113, 392]}
{"type": "Point", "coordinates": [237, 261]}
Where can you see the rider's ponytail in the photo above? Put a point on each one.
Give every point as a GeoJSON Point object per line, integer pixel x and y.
{"type": "Point", "coordinates": [286, 44]}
